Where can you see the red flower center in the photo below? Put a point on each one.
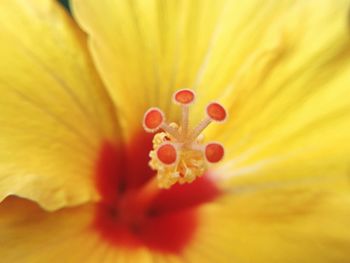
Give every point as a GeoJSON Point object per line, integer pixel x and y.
{"type": "Point", "coordinates": [166, 223]}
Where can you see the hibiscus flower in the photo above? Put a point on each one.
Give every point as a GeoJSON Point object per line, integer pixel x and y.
{"type": "Point", "coordinates": [82, 181]}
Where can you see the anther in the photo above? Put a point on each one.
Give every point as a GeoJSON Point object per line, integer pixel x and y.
{"type": "Point", "coordinates": [214, 152]}
{"type": "Point", "coordinates": [167, 154]}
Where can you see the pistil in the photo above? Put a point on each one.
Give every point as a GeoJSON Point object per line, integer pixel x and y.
{"type": "Point", "coordinates": [179, 154]}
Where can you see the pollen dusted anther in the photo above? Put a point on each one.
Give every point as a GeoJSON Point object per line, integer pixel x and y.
{"type": "Point", "coordinates": [179, 154]}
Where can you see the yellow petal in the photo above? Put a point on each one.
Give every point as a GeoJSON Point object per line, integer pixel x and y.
{"type": "Point", "coordinates": [290, 111]}
{"type": "Point", "coordinates": [29, 234]}
{"type": "Point", "coordinates": [291, 223]}
{"type": "Point", "coordinates": [54, 110]}
{"type": "Point", "coordinates": [147, 49]}
{"type": "Point", "coordinates": [304, 223]}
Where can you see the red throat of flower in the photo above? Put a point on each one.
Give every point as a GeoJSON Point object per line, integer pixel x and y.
{"type": "Point", "coordinates": [137, 208]}
{"type": "Point", "coordinates": [179, 154]}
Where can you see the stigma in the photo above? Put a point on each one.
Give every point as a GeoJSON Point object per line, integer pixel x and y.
{"type": "Point", "coordinates": [180, 153]}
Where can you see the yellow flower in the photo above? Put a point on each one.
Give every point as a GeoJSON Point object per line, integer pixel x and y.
{"type": "Point", "coordinates": [74, 156]}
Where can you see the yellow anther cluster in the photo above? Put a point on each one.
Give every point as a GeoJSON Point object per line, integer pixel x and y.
{"type": "Point", "coordinates": [190, 165]}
